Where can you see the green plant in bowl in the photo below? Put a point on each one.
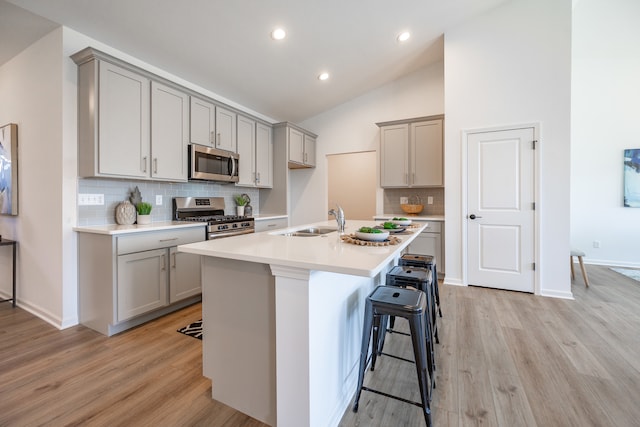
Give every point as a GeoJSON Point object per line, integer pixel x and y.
{"type": "Point", "coordinates": [389, 225]}
{"type": "Point", "coordinates": [144, 208]}
{"type": "Point", "coordinates": [240, 200]}
{"type": "Point", "coordinates": [369, 230]}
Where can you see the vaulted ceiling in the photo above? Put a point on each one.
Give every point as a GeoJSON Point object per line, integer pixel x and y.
{"type": "Point", "coordinates": [225, 45]}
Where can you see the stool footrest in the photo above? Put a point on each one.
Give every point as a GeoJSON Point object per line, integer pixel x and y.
{"type": "Point", "coordinates": [393, 331]}
{"type": "Point", "coordinates": [382, 393]}
{"type": "Point", "coordinates": [398, 357]}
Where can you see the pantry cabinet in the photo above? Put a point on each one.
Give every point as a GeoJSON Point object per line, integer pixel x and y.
{"type": "Point", "coordinates": [411, 153]}
{"type": "Point", "coordinates": [127, 279]}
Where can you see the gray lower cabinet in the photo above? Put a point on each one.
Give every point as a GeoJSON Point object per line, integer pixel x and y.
{"type": "Point", "coordinates": [271, 224]}
{"type": "Point", "coordinates": [429, 242]}
{"type": "Point", "coordinates": [129, 279]}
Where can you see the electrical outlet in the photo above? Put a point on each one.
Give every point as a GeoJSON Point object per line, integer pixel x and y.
{"type": "Point", "coordinates": [158, 199]}
{"type": "Point", "coordinates": [596, 244]}
{"type": "Point", "coordinates": [90, 199]}
{"type": "Point", "coordinates": [404, 200]}
{"type": "Point", "coordinates": [430, 200]}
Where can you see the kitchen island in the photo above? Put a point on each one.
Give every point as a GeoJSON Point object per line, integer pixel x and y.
{"type": "Point", "coordinates": [282, 319]}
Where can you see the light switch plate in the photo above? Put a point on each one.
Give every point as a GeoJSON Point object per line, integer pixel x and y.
{"type": "Point", "coordinates": [158, 199]}
{"type": "Point", "coordinates": [85, 199]}
{"type": "Point", "coordinates": [429, 200]}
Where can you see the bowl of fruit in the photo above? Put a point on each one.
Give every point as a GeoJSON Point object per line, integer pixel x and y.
{"type": "Point", "coordinates": [371, 234]}
{"type": "Point", "coordinates": [401, 221]}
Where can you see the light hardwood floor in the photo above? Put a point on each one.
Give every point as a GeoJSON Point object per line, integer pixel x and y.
{"type": "Point", "coordinates": [504, 359]}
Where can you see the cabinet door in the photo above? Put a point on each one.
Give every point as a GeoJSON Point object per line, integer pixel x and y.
{"type": "Point", "coordinates": [124, 143]}
{"type": "Point", "coordinates": [169, 132]}
{"type": "Point", "coordinates": [309, 150]}
{"type": "Point", "coordinates": [184, 275]}
{"type": "Point", "coordinates": [394, 156]}
{"type": "Point", "coordinates": [296, 146]}
{"type": "Point", "coordinates": [426, 154]}
{"type": "Point", "coordinates": [202, 122]}
{"type": "Point", "coordinates": [142, 282]}
{"type": "Point", "coordinates": [264, 156]}
{"type": "Point", "coordinates": [225, 129]}
{"type": "Point", "coordinates": [246, 138]}
{"type": "Point", "coordinates": [271, 224]}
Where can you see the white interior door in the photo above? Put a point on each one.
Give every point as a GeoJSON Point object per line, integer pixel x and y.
{"type": "Point", "coordinates": [500, 209]}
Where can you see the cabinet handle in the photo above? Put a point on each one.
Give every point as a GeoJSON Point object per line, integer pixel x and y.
{"type": "Point", "coordinates": [174, 260]}
{"type": "Point", "coordinates": [258, 177]}
{"type": "Point", "coordinates": [164, 262]}
{"type": "Point", "coordinates": [168, 240]}
{"type": "Point", "coordinates": [271, 225]}
{"type": "Point", "coordinates": [212, 137]}
{"type": "Point", "coordinates": [155, 165]}
{"type": "Point", "coordinates": [217, 140]}
{"type": "Point", "coordinates": [406, 178]}
{"type": "Point", "coordinates": [144, 164]}
{"type": "Point", "coordinates": [413, 178]}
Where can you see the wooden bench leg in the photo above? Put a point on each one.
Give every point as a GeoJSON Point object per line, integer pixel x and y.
{"type": "Point", "coordinates": [573, 274]}
{"type": "Point", "coordinates": [584, 272]}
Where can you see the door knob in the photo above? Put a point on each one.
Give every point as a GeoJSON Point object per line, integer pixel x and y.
{"type": "Point", "coordinates": [472, 216]}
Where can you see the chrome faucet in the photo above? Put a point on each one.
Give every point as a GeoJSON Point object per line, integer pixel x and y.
{"type": "Point", "coordinates": [339, 214]}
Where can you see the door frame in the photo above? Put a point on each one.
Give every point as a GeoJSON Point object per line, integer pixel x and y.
{"type": "Point", "coordinates": [536, 191]}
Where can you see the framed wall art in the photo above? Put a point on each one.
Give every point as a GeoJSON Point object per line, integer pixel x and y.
{"type": "Point", "coordinates": [9, 169]}
{"type": "Point", "coordinates": [632, 178]}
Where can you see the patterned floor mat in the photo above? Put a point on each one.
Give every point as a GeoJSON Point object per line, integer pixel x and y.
{"type": "Point", "coordinates": [193, 330]}
{"type": "Point", "coordinates": [630, 273]}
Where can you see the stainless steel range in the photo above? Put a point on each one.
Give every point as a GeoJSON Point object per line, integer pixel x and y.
{"type": "Point", "coordinates": [211, 211]}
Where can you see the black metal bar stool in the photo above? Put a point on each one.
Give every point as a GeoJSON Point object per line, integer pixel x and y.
{"type": "Point", "coordinates": [421, 279]}
{"type": "Point", "coordinates": [426, 261]}
{"type": "Point", "coordinates": [410, 304]}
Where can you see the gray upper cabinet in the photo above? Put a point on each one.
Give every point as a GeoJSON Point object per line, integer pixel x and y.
{"type": "Point", "coordinates": [130, 126]}
{"type": "Point", "coordinates": [411, 153]}
{"type": "Point", "coordinates": [113, 128]}
{"type": "Point", "coordinates": [226, 129]}
{"type": "Point", "coordinates": [202, 122]}
{"type": "Point", "coordinates": [246, 139]}
{"type": "Point", "coordinates": [169, 132]}
{"type": "Point", "coordinates": [301, 147]}
{"type": "Point", "coordinates": [255, 148]}
{"type": "Point", "coordinates": [264, 156]}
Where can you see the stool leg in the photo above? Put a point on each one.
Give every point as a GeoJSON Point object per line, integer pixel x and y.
{"type": "Point", "coordinates": [364, 349]}
{"type": "Point", "coordinates": [584, 272]}
{"type": "Point", "coordinates": [378, 336]}
{"type": "Point", "coordinates": [573, 275]}
{"type": "Point", "coordinates": [417, 325]}
{"type": "Point", "coordinates": [436, 287]}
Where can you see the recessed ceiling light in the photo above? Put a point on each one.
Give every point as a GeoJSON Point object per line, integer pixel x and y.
{"type": "Point", "coordinates": [323, 76]}
{"type": "Point", "coordinates": [278, 34]}
{"type": "Point", "coordinates": [403, 37]}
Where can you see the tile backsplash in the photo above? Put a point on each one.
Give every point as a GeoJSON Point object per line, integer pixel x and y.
{"type": "Point", "coordinates": [116, 191]}
{"type": "Point", "coordinates": [391, 202]}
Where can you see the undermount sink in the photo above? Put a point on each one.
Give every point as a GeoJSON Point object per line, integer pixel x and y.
{"type": "Point", "coordinates": [309, 232]}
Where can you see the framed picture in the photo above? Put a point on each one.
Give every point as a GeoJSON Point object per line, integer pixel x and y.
{"type": "Point", "coordinates": [632, 178]}
{"type": "Point", "coordinates": [9, 169]}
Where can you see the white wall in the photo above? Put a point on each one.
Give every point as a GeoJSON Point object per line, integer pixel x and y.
{"type": "Point", "coordinates": [30, 89]}
{"type": "Point", "coordinates": [351, 127]}
{"type": "Point", "coordinates": [605, 112]}
{"type": "Point", "coordinates": [512, 66]}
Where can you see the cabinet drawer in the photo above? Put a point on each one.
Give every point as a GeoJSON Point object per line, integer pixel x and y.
{"type": "Point", "coordinates": [271, 224]}
{"type": "Point", "coordinates": [159, 239]}
{"type": "Point", "coordinates": [433, 227]}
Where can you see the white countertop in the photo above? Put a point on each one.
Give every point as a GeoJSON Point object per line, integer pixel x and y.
{"type": "Point", "coordinates": [321, 253]}
{"type": "Point", "coordinates": [411, 217]}
{"type": "Point", "coordinates": [115, 229]}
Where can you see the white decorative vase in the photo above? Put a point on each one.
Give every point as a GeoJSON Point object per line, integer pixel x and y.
{"type": "Point", "coordinates": [125, 213]}
{"type": "Point", "coordinates": [240, 210]}
{"type": "Point", "coordinates": [144, 219]}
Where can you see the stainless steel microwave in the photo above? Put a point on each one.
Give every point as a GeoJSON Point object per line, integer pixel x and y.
{"type": "Point", "coordinates": [211, 164]}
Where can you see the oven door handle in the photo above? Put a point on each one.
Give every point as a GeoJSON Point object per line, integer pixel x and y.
{"type": "Point", "coordinates": [230, 234]}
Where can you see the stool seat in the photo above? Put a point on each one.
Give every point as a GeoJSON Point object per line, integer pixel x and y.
{"type": "Point", "coordinates": [387, 301]}
{"type": "Point", "coordinates": [429, 262]}
{"type": "Point", "coordinates": [579, 254]}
